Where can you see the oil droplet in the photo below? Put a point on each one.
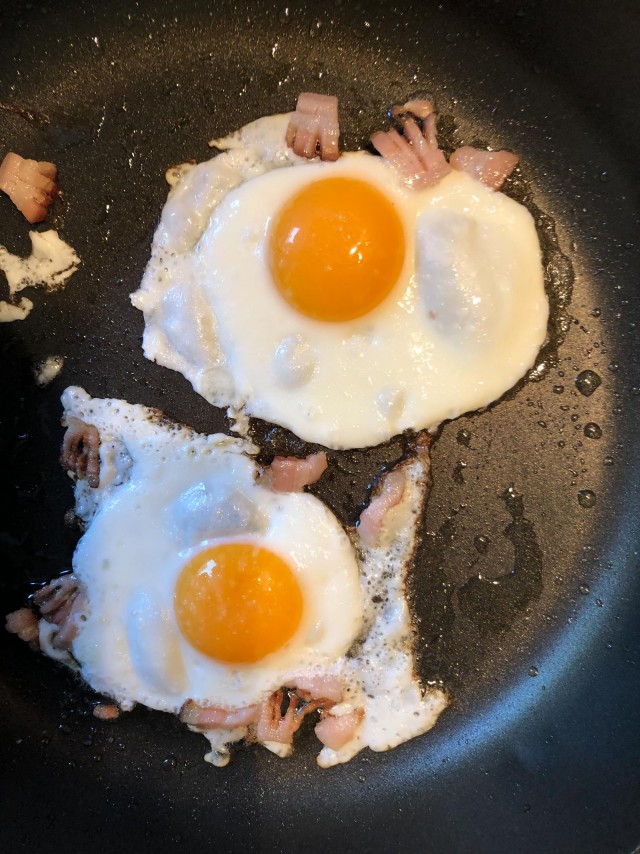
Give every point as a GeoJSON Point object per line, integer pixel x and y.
{"type": "Point", "coordinates": [613, 367]}
{"type": "Point", "coordinates": [586, 498]}
{"type": "Point", "coordinates": [493, 602]}
{"type": "Point", "coordinates": [596, 312]}
{"type": "Point", "coordinates": [584, 589]}
{"type": "Point", "coordinates": [604, 177]}
{"type": "Point", "coordinates": [538, 372]}
{"type": "Point", "coordinates": [169, 763]}
{"type": "Point", "coordinates": [635, 391]}
{"type": "Point", "coordinates": [283, 16]}
{"type": "Point", "coordinates": [599, 603]}
{"type": "Point", "coordinates": [481, 543]}
{"type": "Point", "coordinates": [558, 389]}
{"type": "Point", "coordinates": [592, 430]}
{"type": "Point", "coordinates": [458, 473]}
{"type": "Point", "coordinates": [608, 461]}
{"type": "Point", "coordinates": [463, 437]}
{"type": "Point", "coordinates": [533, 671]}
{"type": "Point", "coordinates": [587, 382]}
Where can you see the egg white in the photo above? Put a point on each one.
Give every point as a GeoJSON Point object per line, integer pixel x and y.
{"type": "Point", "coordinates": [462, 325]}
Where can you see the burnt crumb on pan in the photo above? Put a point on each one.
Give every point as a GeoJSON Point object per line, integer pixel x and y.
{"type": "Point", "coordinates": [72, 520]}
{"type": "Point", "coordinates": [81, 451]}
{"type": "Point", "coordinates": [24, 624]}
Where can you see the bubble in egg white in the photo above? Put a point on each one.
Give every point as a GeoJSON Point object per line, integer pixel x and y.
{"type": "Point", "coordinates": [390, 403]}
{"type": "Point", "coordinates": [294, 362]}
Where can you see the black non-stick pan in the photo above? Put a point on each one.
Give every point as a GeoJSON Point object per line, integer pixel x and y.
{"type": "Point", "coordinates": [525, 587]}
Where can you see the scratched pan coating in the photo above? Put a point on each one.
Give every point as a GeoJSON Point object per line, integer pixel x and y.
{"type": "Point", "coordinates": [523, 588]}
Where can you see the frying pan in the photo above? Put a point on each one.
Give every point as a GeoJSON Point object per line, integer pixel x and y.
{"type": "Point", "coordinates": [523, 597]}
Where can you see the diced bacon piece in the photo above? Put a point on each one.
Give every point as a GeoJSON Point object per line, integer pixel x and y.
{"type": "Point", "coordinates": [214, 717]}
{"type": "Point", "coordinates": [273, 725]}
{"type": "Point", "coordinates": [55, 594]}
{"type": "Point", "coordinates": [62, 602]}
{"type": "Point", "coordinates": [491, 168]}
{"type": "Point", "coordinates": [278, 727]}
{"type": "Point", "coordinates": [106, 712]}
{"type": "Point", "coordinates": [426, 145]}
{"type": "Point", "coordinates": [415, 156]}
{"type": "Point", "coordinates": [418, 107]}
{"type": "Point", "coordinates": [68, 623]}
{"type": "Point", "coordinates": [399, 153]}
{"type": "Point", "coordinates": [430, 131]}
{"type": "Point", "coordinates": [290, 474]}
{"type": "Point", "coordinates": [325, 687]}
{"type": "Point", "coordinates": [31, 185]}
{"type": "Point", "coordinates": [81, 451]}
{"type": "Point", "coordinates": [313, 125]}
{"type": "Point", "coordinates": [60, 614]}
{"type": "Point", "coordinates": [334, 731]}
{"type": "Point", "coordinates": [372, 517]}
{"type": "Point", "coordinates": [24, 623]}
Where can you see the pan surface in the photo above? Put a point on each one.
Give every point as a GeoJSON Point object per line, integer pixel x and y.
{"type": "Point", "coordinates": [540, 748]}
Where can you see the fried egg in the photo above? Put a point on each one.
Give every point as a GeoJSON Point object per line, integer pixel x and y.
{"type": "Point", "coordinates": [164, 627]}
{"type": "Point", "coordinates": [204, 585]}
{"type": "Point", "coordinates": [331, 299]}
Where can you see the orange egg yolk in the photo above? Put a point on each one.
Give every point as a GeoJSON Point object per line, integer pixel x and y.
{"type": "Point", "coordinates": [237, 602]}
{"type": "Point", "coordinates": [336, 249]}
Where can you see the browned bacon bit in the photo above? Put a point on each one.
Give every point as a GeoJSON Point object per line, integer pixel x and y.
{"type": "Point", "coordinates": [290, 474]}
{"type": "Point", "coordinates": [61, 602]}
{"type": "Point", "coordinates": [31, 185]}
{"type": "Point", "coordinates": [418, 107]}
{"type": "Point", "coordinates": [372, 517]}
{"type": "Point", "coordinates": [214, 717]}
{"type": "Point", "coordinates": [106, 712]}
{"type": "Point", "coordinates": [313, 125]}
{"type": "Point", "coordinates": [334, 731]}
{"type": "Point", "coordinates": [81, 451]}
{"type": "Point", "coordinates": [24, 623]}
{"type": "Point", "coordinates": [326, 688]}
{"type": "Point", "coordinates": [68, 624]}
{"type": "Point", "coordinates": [415, 156]}
{"type": "Point", "coordinates": [491, 168]}
{"type": "Point", "coordinates": [54, 595]}
{"type": "Point", "coordinates": [275, 726]}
